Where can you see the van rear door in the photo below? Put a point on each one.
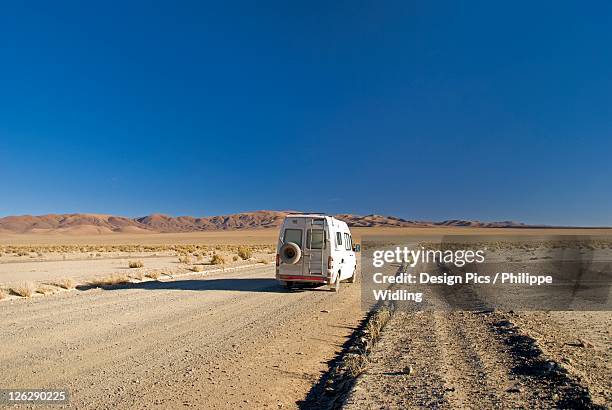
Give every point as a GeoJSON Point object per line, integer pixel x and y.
{"type": "Point", "coordinates": [315, 243]}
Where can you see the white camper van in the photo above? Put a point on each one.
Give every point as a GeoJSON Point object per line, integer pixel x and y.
{"type": "Point", "coordinates": [315, 249]}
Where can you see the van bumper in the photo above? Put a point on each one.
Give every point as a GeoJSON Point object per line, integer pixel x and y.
{"type": "Point", "coordinates": [303, 278]}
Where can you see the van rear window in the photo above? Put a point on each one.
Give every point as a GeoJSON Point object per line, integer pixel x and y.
{"type": "Point", "coordinates": [294, 235]}
{"type": "Point", "coordinates": [316, 241]}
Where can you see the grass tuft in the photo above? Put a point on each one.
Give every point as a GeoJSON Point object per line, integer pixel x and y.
{"type": "Point", "coordinates": [217, 259]}
{"type": "Point", "coordinates": [377, 322]}
{"type": "Point", "coordinates": [66, 283]}
{"type": "Point", "coordinates": [186, 259]}
{"type": "Point", "coordinates": [196, 268]}
{"type": "Point", "coordinates": [245, 252]}
{"type": "Point", "coordinates": [355, 364]}
{"type": "Point", "coordinates": [139, 275]}
{"type": "Point", "coordinates": [46, 290]}
{"type": "Point", "coordinates": [25, 289]}
{"type": "Point", "coordinates": [154, 274]}
{"type": "Point", "coordinates": [136, 264]}
{"type": "Point", "coordinates": [114, 279]}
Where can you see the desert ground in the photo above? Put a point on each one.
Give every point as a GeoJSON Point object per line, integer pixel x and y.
{"type": "Point", "coordinates": [200, 323]}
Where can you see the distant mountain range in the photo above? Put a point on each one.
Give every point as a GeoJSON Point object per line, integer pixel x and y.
{"type": "Point", "coordinates": [88, 224]}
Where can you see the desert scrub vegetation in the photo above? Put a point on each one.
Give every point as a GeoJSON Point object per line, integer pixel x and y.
{"type": "Point", "coordinates": [377, 322]}
{"type": "Point", "coordinates": [217, 259]}
{"type": "Point", "coordinates": [25, 289]}
{"type": "Point", "coordinates": [114, 279]}
{"type": "Point", "coordinates": [265, 262]}
{"type": "Point", "coordinates": [136, 264]}
{"type": "Point", "coordinates": [101, 249]}
{"type": "Point", "coordinates": [139, 275]}
{"type": "Point", "coordinates": [245, 252]}
{"type": "Point", "coordinates": [355, 364]}
{"type": "Point", "coordinates": [154, 274]}
{"type": "Point", "coordinates": [2, 294]}
{"type": "Point", "coordinates": [196, 268]}
{"type": "Point", "coordinates": [46, 290]}
{"type": "Point", "coordinates": [186, 259]}
{"type": "Point", "coordinates": [65, 283]}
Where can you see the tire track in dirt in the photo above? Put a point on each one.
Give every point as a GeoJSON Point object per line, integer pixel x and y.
{"type": "Point", "coordinates": [442, 357]}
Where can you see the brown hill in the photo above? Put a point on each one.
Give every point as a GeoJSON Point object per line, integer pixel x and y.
{"type": "Point", "coordinates": [81, 224]}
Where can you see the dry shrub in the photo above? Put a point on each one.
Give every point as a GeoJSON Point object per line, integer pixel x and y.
{"type": "Point", "coordinates": [153, 274]}
{"type": "Point", "coordinates": [186, 259]}
{"type": "Point", "coordinates": [265, 262]}
{"type": "Point", "coordinates": [245, 252]}
{"type": "Point", "coordinates": [25, 289]}
{"type": "Point", "coordinates": [136, 264]}
{"type": "Point", "coordinates": [355, 364]}
{"type": "Point", "coordinates": [196, 268]}
{"type": "Point", "coordinates": [66, 283]}
{"type": "Point", "coordinates": [114, 279]}
{"type": "Point", "coordinates": [138, 275]}
{"type": "Point", "coordinates": [217, 259]}
{"type": "Point", "coordinates": [45, 290]}
{"type": "Point", "coordinates": [235, 258]}
{"type": "Point", "coordinates": [377, 322]}
{"type": "Point", "coordinates": [2, 294]}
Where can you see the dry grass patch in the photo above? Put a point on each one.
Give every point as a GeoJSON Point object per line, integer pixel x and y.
{"type": "Point", "coordinates": [245, 252]}
{"type": "Point", "coordinates": [196, 268]}
{"type": "Point", "coordinates": [265, 262]}
{"type": "Point", "coordinates": [377, 322]}
{"type": "Point", "coordinates": [114, 279]}
{"type": "Point", "coordinates": [186, 259]}
{"type": "Point", "coordinates": [136, 264]}
{"type": "Point", "coordinates": [2, 294]}
{"type": "Point", "coordinates": [355, 364]}
{"type": "Point", "coordinates": [217, 260]}
{"type": "Point", "coordinates": [46, 290]}
{"type": "Point", "coordinates": [66, 283]}
{"type": "Point", "coordinates": [153, 274]}
{"type": "Point", "coordinates": [138, 275]}
{"type": "Point", "coordinates": [25, 289]}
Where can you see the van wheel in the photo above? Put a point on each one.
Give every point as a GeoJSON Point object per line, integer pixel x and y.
{"type": "Point", "coordinates": [353, 278]}
{"type": "Point", "coordinates": [288, 285]}
{"type": "Point", "coordinates": [336, 286]}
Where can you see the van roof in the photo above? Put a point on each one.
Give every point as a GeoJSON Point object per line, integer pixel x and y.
{"type": "Point", "coordinates": [308, 216]}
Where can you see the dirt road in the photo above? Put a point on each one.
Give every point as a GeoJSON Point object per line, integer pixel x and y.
{"type": "Point", "coordinates": [229, 340]}
{"type": "Point", "coordinates": [436, 358]}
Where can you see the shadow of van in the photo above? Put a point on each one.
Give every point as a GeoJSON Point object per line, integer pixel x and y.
{"type": "Point", "coordinates": [238, 284]}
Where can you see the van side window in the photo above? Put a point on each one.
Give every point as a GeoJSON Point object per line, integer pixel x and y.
{"type": "Point", "coordinates": [293, 235]}
{"type": "Point", "coordinates": [316, 240]}
{"type": "Point", "coordinates": [338, 240]}
{"type": "Point", "coordinates": [347, 242]}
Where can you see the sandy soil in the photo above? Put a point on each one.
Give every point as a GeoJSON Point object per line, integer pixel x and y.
{"type": "Point", "coordinates": [228, 340]}
{"type": "Point", "coordinates": [82, 268]}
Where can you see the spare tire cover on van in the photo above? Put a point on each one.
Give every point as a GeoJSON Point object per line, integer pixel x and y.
{"type": "Point", "coordinates": [290, 253]}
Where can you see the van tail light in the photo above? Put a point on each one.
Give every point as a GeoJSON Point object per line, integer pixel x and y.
{"type": "Point", "coordinates": [277, 260]}
{"type": "Point", "coordinates": [330, 262]}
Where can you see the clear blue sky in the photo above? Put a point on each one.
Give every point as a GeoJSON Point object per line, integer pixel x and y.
{"type": "Point", "coordinates": [425, 110]}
